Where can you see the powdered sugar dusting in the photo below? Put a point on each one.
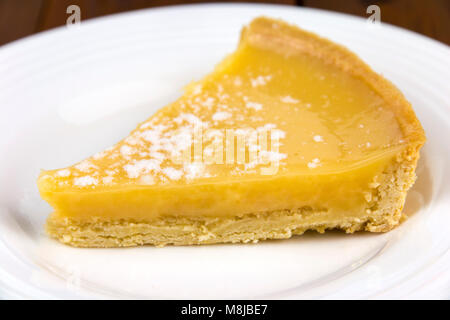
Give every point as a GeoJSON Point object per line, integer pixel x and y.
{"type": "Point", "coordinates": [172, 174]}
{"type": "Point", "coordinates": [314, 163]}
{"type": "Point", "coordinates": [221, 115]}
{"type": "Point", "coordinates": [126, 150]}
{"type": "Point", "coordinates": [194, 170]}
{"type": "Point", "coordinates": [147, 180]}
{"type": "Point", "coordinates": [63, 173]}
{"type": "Point", "coordinates": [84, 166]}
{"type": "Point", "coordinates": [289, 99]}
{"type": "Point", "coordinates": [253, 105]}
{"type": "Point", "coordinates": [137, 168]}
{"type": "Point", "coordinates": [85, 181]}
{"type": "Point", "coordinates": [107, 180]}
{"type": "Point", "coordinates": [317, 138]}
{"type": "Point", "coordinates": [260, 80]}
{"type": "Point", "coordinates": [147, 156]}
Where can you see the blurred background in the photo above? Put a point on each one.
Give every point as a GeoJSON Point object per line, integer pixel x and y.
{"type": "Point", "coordinates": [20, 18]}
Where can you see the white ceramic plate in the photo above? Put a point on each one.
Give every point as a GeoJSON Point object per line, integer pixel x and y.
{"type": "Point", "coordinates": [65, 94]}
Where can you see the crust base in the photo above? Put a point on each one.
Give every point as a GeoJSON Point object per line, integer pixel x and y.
{"type": "Point", "coordinates": [383, 213]}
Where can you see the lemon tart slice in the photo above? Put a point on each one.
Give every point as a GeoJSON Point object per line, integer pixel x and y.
{"type": "Point", "coordinates": [289, 133]}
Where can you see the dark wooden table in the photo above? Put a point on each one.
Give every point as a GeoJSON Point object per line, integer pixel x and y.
{"type": "Point", "coordinates": [20, 18]}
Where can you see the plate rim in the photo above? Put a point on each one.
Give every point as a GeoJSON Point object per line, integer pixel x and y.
{"type": "Point", "coordinates": [205, 6]}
